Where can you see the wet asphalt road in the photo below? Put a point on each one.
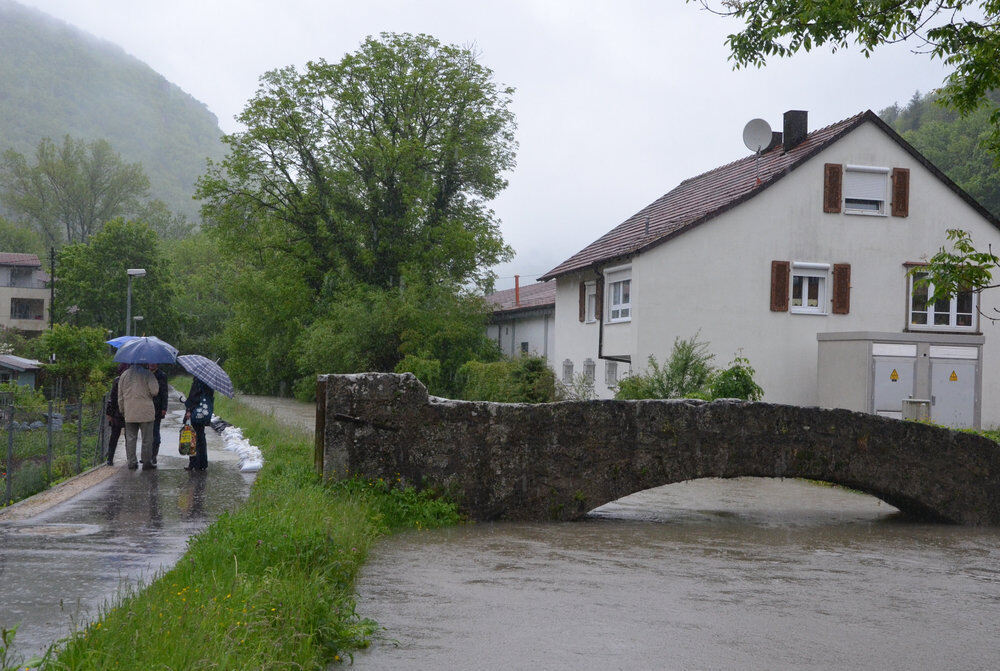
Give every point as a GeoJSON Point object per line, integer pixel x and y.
{"type": "Point", "coordinates": [58, 567]}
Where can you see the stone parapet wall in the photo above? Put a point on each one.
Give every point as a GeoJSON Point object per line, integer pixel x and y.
{"type": "Point", "coordinates": [558, 461]}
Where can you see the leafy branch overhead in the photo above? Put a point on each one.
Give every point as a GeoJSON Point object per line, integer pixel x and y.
{"type": "Point", "coordinates": [960, 269]}
{"type": "Point", "coordinates": [964, 34]}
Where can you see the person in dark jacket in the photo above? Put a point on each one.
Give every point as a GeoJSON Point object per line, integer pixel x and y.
{"type": "Point", "coordinates": [199, 405]}
{"type": "Point", "coordinates": [160, 405]}
{"type": "Point", "coordinates": [116, 419]}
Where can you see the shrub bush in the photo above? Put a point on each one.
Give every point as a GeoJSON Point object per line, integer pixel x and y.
{"type": "Point", "coordinates": [688, 372]}
{"type": "Point", "coordinates": [525, 379]}
{"type": "Point", "coordinates": [737, 382]}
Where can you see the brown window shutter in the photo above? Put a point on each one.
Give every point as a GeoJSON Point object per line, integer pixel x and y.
{"type": "Point", "coordinates": [780, 271]}
{"type": "Point", "coordinates": [833, 178]}
{"type": "Point", "coordinates": [583, 300]}
{"type": "Point", "coordinates": [599, 308]}
{"type": "Point", "coordinates": [841, 288]}
{"type": "Point", "coordinates": [900, 192]}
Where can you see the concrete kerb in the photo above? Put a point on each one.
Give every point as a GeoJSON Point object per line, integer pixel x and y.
{"type": "Point", "coordinates": [63, 491]}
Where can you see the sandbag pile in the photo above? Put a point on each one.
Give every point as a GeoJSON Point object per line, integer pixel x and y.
{"type": "Point", "coordinates": [251, 459]}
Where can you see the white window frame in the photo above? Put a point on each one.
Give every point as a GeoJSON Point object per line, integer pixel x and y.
{"type": "Point", "coordinates": [590, 314]}
{"type": "Point", "coordinates": [806, 269]}
{"type": "Point", "coordinates": [618, 280]}
{"type": "Point", "coordinates": [880, 196]}
{"type": "Point", "coordinates": [932, 312]}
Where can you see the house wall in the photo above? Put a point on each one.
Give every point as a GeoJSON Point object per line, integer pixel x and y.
{"type": "Point", "coordinates": [714, 280]}
{"type": "Point", "coordinates": [538, 330]}
{"type": "Point", "coordinates": [7, 293]}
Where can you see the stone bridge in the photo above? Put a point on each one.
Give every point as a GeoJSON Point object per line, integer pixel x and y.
{"type": "Point", "coordinates": [557, 461]}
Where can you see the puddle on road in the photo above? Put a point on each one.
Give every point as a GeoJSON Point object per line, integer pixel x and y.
{"type": "Point", "coordinates": [56, 529]}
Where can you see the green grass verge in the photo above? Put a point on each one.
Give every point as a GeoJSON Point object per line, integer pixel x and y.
{"type": "Point", "coordinates": [268, 586]}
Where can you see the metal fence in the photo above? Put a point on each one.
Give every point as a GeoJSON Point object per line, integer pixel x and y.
{"type": "Point", "coordinates": [46, 442]}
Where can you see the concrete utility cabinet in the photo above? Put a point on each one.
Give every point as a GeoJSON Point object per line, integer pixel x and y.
{"type": "Point", "coordinates": [875, 372]}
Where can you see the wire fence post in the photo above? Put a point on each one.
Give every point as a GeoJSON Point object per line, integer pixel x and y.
{"type": "Point", "coordinates": [10, 456]}
{"type": "Point", "coordinates": [102, 426]}
{"type": "Point", "coordinates": [79, 436]}
{"type": "Point", "coordinates": [48, 453]}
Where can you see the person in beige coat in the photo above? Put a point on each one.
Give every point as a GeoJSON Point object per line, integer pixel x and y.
{"type": "Point", "coordinates": [137, 389]}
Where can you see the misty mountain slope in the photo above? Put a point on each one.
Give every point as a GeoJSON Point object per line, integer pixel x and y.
{"type": "Point", "coordinates": [57, 80]}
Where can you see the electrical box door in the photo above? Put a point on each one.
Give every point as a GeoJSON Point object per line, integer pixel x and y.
{"type": "Point", "coordinates": [892, 382]}
{"type": "Point", "coordinates": [953, 392]}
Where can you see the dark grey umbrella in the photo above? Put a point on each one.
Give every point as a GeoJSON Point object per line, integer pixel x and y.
{"type": "Point", "coordinates": [148, 349]}
{"type": "Point", "coordinates": [208, 372]}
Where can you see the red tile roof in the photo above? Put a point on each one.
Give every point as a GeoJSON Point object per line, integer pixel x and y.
{"type": "Point", "coordinates": [701, 198]}
{"type": "Point", "coordinates": [532, 296]}
{"type": "Point", "coordinates": [10, 259]}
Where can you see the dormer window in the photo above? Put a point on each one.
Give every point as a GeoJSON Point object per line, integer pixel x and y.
{"type": "Point", "coordinates": [866, 190]}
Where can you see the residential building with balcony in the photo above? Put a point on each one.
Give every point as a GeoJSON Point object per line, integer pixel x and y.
{"type": "Point", "coordinates": [24, 293]}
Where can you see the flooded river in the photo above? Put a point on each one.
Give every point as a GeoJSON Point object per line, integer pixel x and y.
{"type": "Point", "coordinates": [711, 574]}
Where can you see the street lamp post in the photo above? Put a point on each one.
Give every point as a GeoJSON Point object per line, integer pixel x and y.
{"type": "Point", "coordinates": [132, 272]}
{"type": "Point", "coordinates": [135, 324]}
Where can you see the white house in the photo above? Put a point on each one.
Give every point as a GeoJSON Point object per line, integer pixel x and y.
{"type": "Point", "coordinates": [523, 319]}
{"type": "Point", "coordinates": [797, 260]}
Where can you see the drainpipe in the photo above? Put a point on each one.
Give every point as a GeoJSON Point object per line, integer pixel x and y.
{"type": "Point", "coordinates": [600, 329]}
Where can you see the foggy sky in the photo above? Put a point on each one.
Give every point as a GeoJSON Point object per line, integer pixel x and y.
{"type": "Point", "coordinates": [616, 102]}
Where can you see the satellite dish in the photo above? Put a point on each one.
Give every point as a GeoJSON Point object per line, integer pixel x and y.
{"type": "Point", "coordinates": [756, 135]}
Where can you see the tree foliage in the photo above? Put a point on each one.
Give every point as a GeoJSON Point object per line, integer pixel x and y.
{"type": "Point", "coordinates": [954, 143]}
{"type": "Point", "coordinates": [370, 168]}
{"type": "Point", "coordinates": [72, 353]}
{"type": "Point", "coordinates": [20, 239]}
{"type": "Point", "coordinates": [91, 278]}
{"type": "Point", "coordinates": [354, 210]}
{"type": "Point", "coordinates": [687, 372]}
{"type": "Point", "coordinates": [964, 34]}
{"type": "Point", "coordinates": [57, 80]}
{"type": "Point", "coordinates": [72, 189]}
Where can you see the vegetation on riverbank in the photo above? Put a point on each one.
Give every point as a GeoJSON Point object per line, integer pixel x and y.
{"type": "Point", "coordinates": [269, 585]}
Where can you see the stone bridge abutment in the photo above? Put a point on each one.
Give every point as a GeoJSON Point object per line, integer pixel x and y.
{"type": "Point", "coordinates": [558, 461]}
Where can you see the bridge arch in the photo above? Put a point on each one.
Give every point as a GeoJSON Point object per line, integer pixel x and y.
{"type": "Point", "coordinates": [558, 461]}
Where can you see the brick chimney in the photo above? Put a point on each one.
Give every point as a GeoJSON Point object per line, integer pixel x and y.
{"type": "Point", "coordinates": [517, 290]}
{"type": "Point", "coordinates": [795, 129]}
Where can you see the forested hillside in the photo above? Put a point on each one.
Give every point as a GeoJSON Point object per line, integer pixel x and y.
{"type": "Point", "coordinates": [952, 143]}
{"type": "Point", "coordinates": [57, 80]}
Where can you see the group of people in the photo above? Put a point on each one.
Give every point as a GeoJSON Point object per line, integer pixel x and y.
{"type": "Point", "coordinates": [137, 404]}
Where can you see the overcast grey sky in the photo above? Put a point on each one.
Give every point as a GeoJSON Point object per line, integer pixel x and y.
{"type": "Point", "coordinates": [616, 102]}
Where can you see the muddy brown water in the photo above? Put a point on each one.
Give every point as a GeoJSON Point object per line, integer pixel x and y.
{"type": "Point", "coordinates": [710, 574]}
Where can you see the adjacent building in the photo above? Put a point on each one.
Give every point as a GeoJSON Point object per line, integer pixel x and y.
{"type": "Point", "coordinates": [24, 293]}
{"type": "Point", "coordinates": [798, 259]}
{"type": "Point", "coordinates": [523, 319]}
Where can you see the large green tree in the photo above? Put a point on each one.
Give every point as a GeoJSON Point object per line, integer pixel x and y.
{"type": "Point", "coordinates": [354, 183]}
{"type": "Point", "coordinates": [91, 282]}
{"type": "Point", "coordinates": [70, 190]}
{"type": "Point", "coordinates": [964, 34]}
{"type": "Point", "coordinates": [372, 167]}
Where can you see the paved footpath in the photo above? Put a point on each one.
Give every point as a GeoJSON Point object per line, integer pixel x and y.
{"type": "Point", "coordinates": [59, 564]}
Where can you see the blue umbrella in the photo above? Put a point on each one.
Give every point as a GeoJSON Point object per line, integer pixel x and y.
{"type": "Point", "coordinates": [148, 349]}
{"type": "Point", "coordinates": [208, 372]}
{"type": "Point", "coordinates": [120, 340]}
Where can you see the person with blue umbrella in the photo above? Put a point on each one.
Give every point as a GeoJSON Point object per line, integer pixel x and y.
{"type": "Point", "coordinates": [137, 391]}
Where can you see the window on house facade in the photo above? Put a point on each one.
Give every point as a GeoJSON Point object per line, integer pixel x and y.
{"type": "Point", "coordinates": [567, 372]}
{"type": "Point", "coordinates": [866, 190]}
{"type": "Point", "coordinates": [619, 284]}
{"type": "Point", "coordinates": [591, 312]}
{"type": "Point", "coordinates": [611, 373]}
{"type": "Point", "coordinates": [809, 288]}
{"type": "Point", "coordinates": [524, 347]}
{"type": "Point", "coordinates": [955, 313]}
{"type": "Point", "coordinates": [589, 369]}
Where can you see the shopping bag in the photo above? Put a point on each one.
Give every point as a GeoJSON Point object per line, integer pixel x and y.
{"type": "Point", "coordinates": [186, 446]}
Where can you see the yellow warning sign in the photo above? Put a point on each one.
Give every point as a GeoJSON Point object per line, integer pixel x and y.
{"type": "Point", "coordinates": [953, 377]}
{"type": "Point", "coordinates": [895, 376]}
